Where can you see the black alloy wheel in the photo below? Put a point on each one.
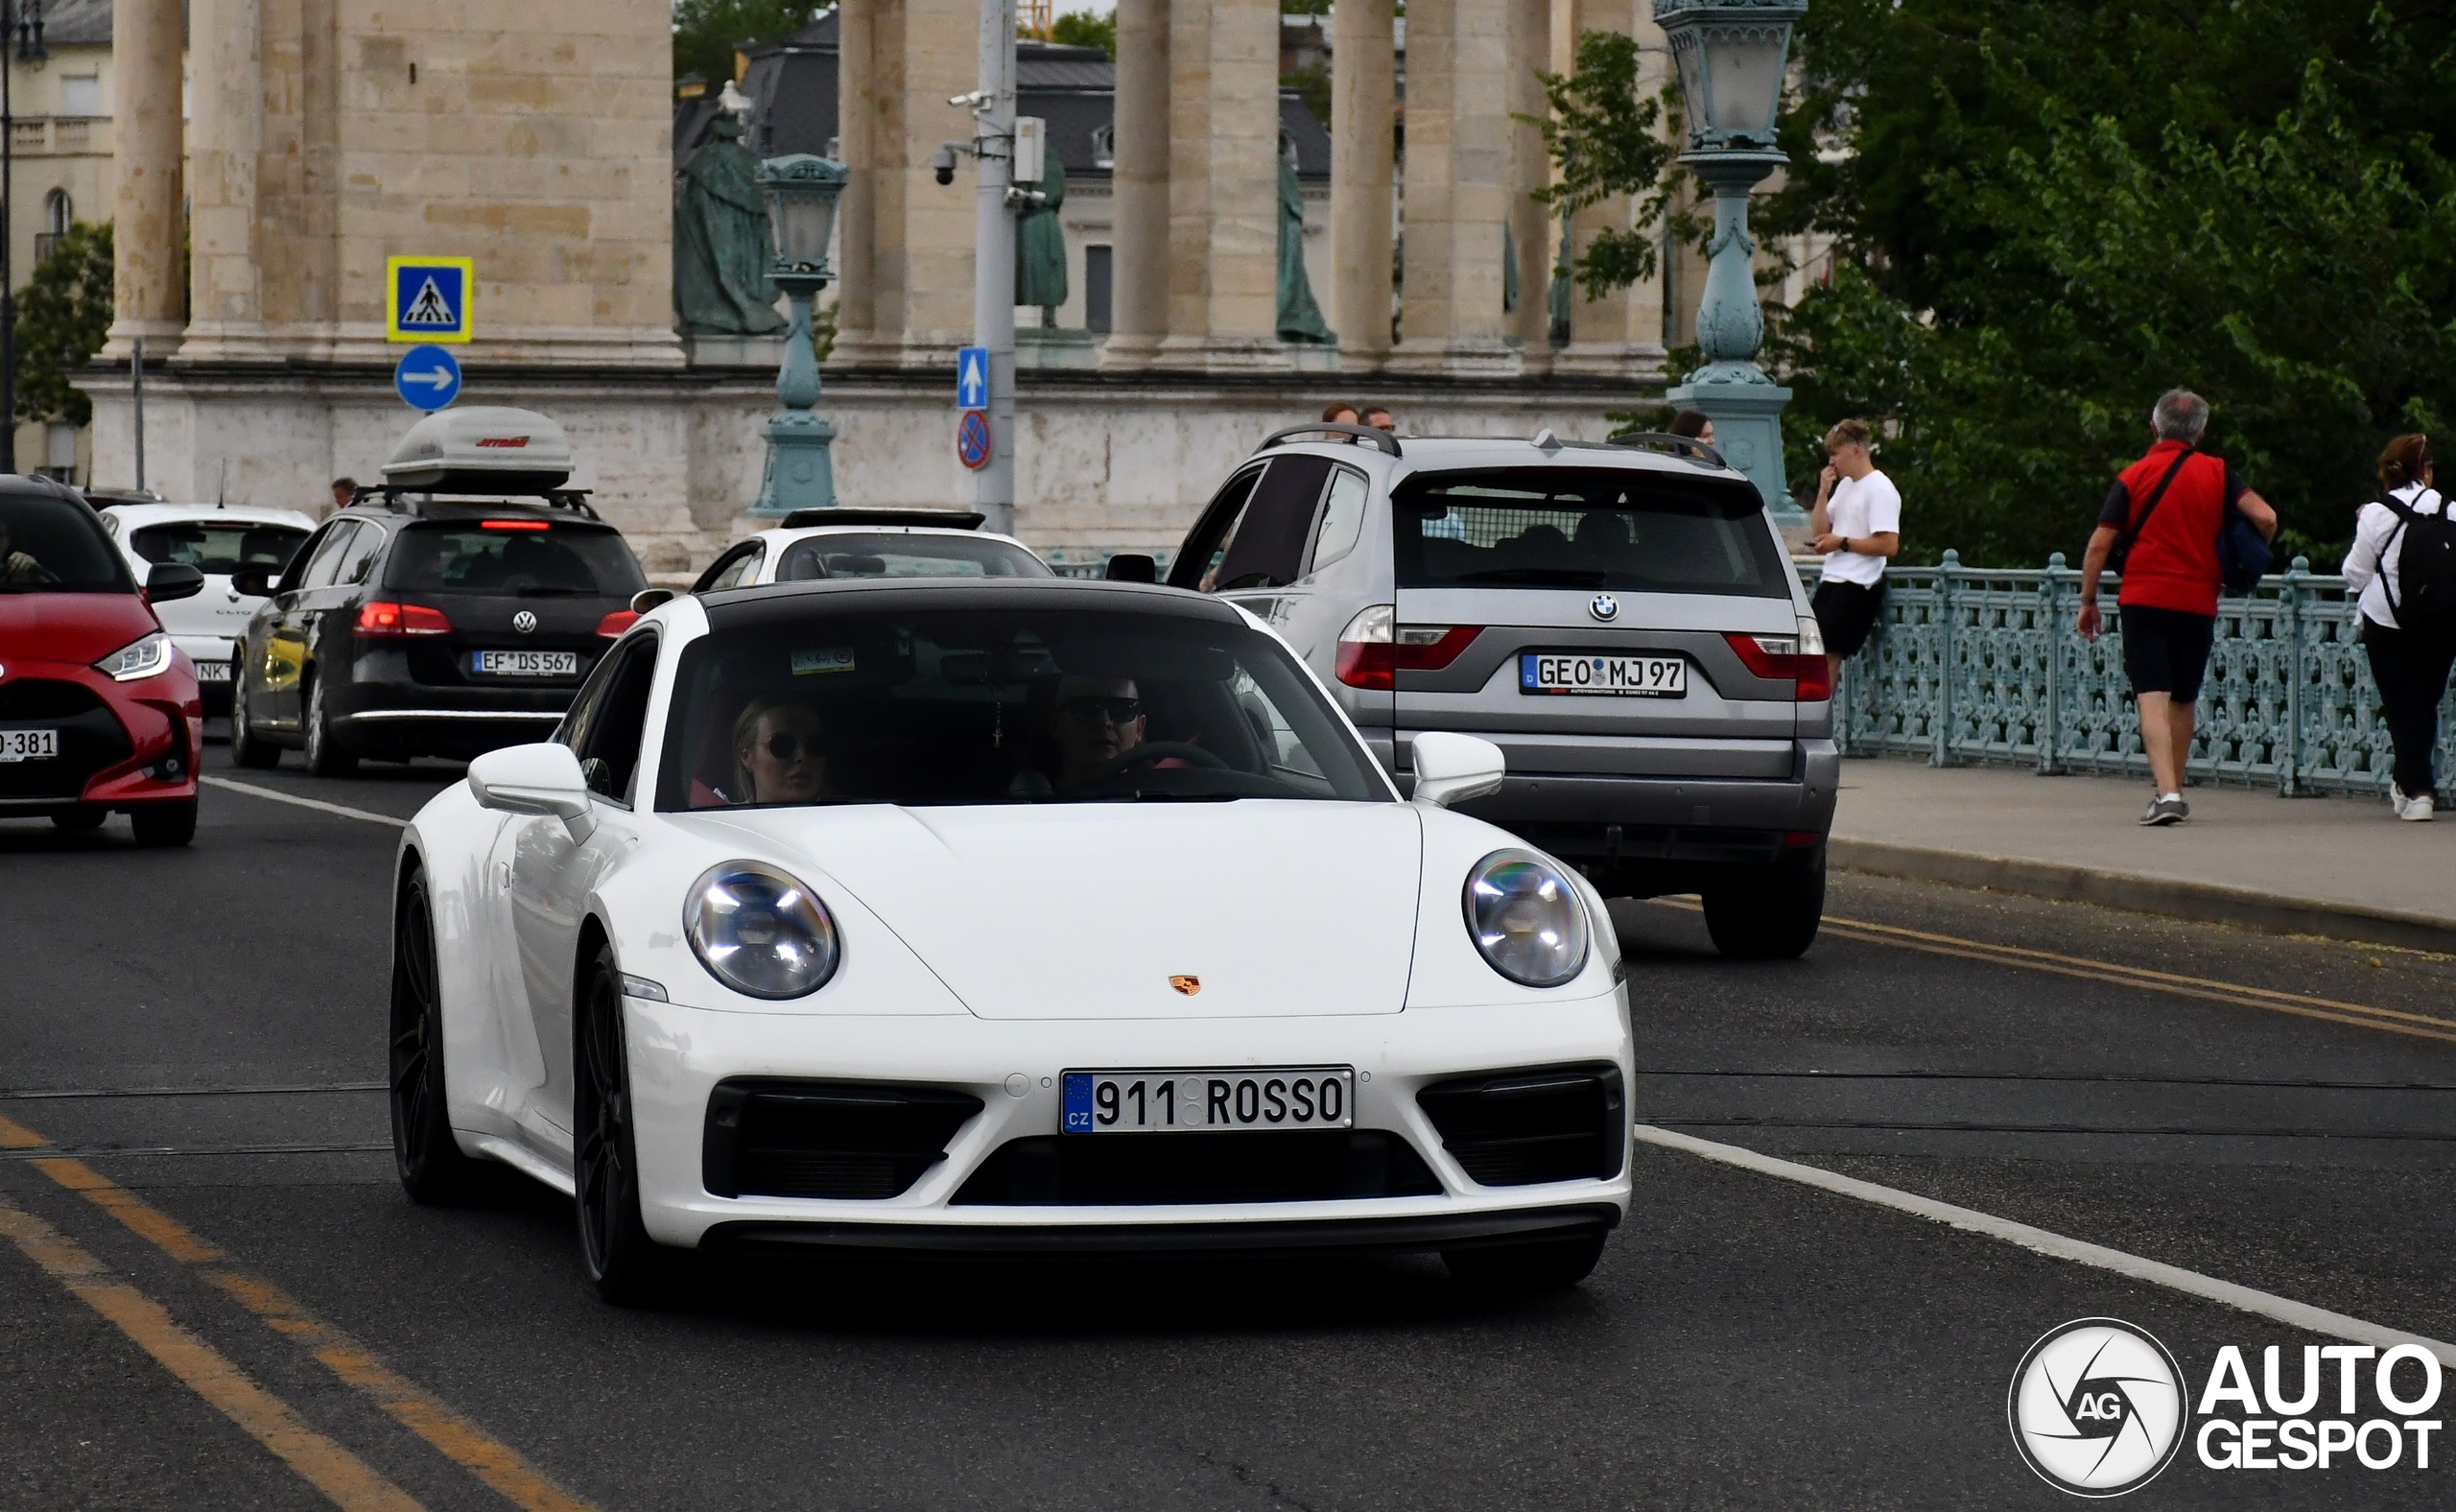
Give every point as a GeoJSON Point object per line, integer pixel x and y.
{"type": "Point", "coordinates": [164, 825]}
{"type": "Point", "coordinates": [432, 1169]}
{"type": "Point", "coordinates": [626, 1267]}
{"type": "Point", "coordinates": [248, 748]}
{"type": "Point", "coordinates": [1773, 914]}
{"type": "Point", "coordinates": [1527, 1268]}
{"type": "Point", "coordinates": [79, 820]}
{"type": "Point", "coordinates": [325, 757]}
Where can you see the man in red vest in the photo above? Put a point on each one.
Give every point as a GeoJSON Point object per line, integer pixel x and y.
{"type": "Point", "coordinates": [2172, 504]}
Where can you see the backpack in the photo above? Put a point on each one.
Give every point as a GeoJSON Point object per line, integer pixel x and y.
{"type": "Point", "coordinates": [2426, 568]}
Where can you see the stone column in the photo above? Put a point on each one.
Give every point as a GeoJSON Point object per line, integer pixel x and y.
{"type": "Point", "coordinates": [1139, 238]}
{"type": "Point", "coordinates": [147, 276]}
{"type": "Point", "coordinates": [226, 134]}
{"type": "Point", "coordinates": [1363, 109]}
{"type": "Point", "coordinates": [941, 59]}
{"type": "Point", "coordinates": [1458, 155]}
{"type": "Point", "coordinates": [856, 132]}
{"type": "Point", "coordinates": [1223, 187]}
{"type": "Point", "coordinates": [1619, 335]}
{"type": "Point", "coordinates": [1530, 223]}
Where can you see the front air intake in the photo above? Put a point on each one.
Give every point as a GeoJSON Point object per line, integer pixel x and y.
{"type": "Point", "coordinates": [1528, 1126]}
{"type": "Point", "coordinates": [810, 1139]}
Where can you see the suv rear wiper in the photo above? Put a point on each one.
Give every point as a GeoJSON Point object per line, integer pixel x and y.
{"type": "Point", "coordinates": [1559, 577]}
{"type": "Point", "coordinates": [545, 592]}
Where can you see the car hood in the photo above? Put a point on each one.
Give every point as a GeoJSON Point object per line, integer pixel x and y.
{"type": "Point", "coordinates": [1088, 910]}
{"type": "Point", "coordinates": [81, 628]}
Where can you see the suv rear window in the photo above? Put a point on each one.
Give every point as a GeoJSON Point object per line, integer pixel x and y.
{"type": "Point", "coordinates": [53, 545]}
{"type": "Point", "coordinates": [515, 560]}
{"type": "Point", "coordinates": [217, 546]}
{"type": "Point", "coordinates": [898, 556]}
{"type": "Point", "coordinates": [1616, 528]}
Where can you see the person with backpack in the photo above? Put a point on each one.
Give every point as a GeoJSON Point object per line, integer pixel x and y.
{"type": "Point", "coordinates": [2403, 565]}
{"type": "Point", "coordinates": [2179, 524]}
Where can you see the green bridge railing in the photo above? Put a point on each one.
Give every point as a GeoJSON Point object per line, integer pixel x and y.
{"type": "Point", "coordinates": [1980, 665]}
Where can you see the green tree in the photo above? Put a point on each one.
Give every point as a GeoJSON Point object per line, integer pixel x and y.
{"type": "Point", "coordinates": [1083, 29]}
{"type": "Point", "coordinates": [707, 32]}
{"type": "Point", "coordinates": [62, 316]}
{"type": "Point", "coordinates": [1607, 140]}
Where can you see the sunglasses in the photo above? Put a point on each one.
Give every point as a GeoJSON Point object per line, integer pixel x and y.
{"type": "Point", "coordinates": [785, 747]}
{"type": "Point", "coordinates": [1116, 711]}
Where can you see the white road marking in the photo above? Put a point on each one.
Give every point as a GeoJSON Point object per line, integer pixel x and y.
{"type": "Point", "coordinates": [2283, 1309]}
{"type": "Point", "coordinates": [318, 804]}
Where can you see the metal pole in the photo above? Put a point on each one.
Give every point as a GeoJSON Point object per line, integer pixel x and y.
{"type": "Point", "coordinates": [136, 368]}
{"type": "Point", "coordinates": [7, 279]}
{"type": "Point", "coordinates": [993, 259]}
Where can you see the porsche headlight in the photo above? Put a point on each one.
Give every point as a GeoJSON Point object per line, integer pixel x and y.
{"type": "Point", "coordinates": [1527, 918]}
{"type": "Point", "coordinates": [138, 658]}
{"type": "Point", "coordinates": [760, 932]}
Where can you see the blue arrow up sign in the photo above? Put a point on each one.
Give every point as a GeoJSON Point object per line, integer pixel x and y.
{"type": "Point", "coordinates": [972, 377]}
{"type": "Point", "coordinates": [427, 378]}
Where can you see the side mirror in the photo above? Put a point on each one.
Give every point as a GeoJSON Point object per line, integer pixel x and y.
{"type": "Point", "coordinates": [540, 779]}
{"type": "Point", "coordinates": [1451, 768]}
{"type": "Point", "coordinates": [1131, 567]}
{"type": "Point", "coordinates": [647, 599]}
{"type": "Point", "coordinates": [256, 582]}
{"type": "Point", "coordinates": [169, 580]}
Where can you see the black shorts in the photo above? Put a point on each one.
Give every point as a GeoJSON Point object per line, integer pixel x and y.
{"type": "Point", "coordinates": [2165, 651]}
{"type": "Point", "coordinates": [1846, 612]}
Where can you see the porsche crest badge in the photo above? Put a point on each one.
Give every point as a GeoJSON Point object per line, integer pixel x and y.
{"type": "Point", "coordinates": [1189, 985]}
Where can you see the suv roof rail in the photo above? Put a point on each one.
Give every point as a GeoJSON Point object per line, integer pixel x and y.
{"type": "Point", "coordinates": [1363, 432]}
{"type": "Point", "coordinates": [415, 500]}
{"type": "Point", "coordinates": [841, 514]}
{"type": "Point", "coordinates": [1686, 445]}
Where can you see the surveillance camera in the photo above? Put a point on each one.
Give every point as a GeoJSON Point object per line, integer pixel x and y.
{"type": "Point", "coordinates": [944, 165]}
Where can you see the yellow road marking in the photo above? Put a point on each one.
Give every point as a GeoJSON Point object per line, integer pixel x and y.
{"type": "Point", "coordinates": [453, 1435]}
{"type": "Point", "coordinates": [350, 1481]}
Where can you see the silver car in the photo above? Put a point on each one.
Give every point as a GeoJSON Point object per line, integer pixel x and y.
{"type": "Point", "coordinates": [1620, 619]}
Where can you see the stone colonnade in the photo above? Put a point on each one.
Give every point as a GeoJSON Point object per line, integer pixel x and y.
{"type": "Point", "coordinates": [1195, 248]}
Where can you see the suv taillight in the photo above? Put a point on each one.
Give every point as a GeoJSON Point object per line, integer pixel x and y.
{"type": "Point", "coordinates": [1375, 648]}
{"type": "Point", "coordinates": [1799, 659]}
{"type": "Point", "coordinates": [379, 618]}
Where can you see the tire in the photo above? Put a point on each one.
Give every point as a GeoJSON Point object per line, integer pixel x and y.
{"type": "Point", "coordinates": [1525, 1269]}
{"type": "Point", "coordinates": [432, 1169]}
{"type": "Point", "coordinates": [76, 821]}
{"type": "Point", "coordinates": [248, 748]}
{"type": "Point", "coordinates": [162, 824]}
{"type": "Point", "coordinates": [1770, 916]}
{"type": "Point", "coordinates": [325, 757]}
{"type": "Point", "coordinates": [626, 1267]}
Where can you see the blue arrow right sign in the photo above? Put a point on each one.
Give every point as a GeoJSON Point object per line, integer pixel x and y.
{"type": "Point", "coordinates": [427, 378]}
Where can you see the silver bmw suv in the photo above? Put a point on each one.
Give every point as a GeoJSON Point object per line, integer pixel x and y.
{"type": "Point", "coordinates": [1620, 619]}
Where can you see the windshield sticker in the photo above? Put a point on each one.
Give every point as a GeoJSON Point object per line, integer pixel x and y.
{"type": "Point", "coordinates": [823, 659]}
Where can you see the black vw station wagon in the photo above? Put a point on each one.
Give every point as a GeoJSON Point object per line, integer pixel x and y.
{"type": "Point", "coordinates": [451, 609]}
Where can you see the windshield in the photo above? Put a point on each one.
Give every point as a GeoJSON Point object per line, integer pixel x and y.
{"type": "Point", "coordinates": [54, 545]}
{"type": "Point", "coordinates": [1562, 528]}
{"type": "Point", "coordinates": [897, 556]}
{"type": "Point", "coordinates": [1023, 705]}
{"type": "Point", "coordinates": [219, 546]}
{"type": "Point", "coordinates": [515, 558]}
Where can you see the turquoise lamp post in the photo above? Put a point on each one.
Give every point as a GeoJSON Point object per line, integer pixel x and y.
{"type": "Point", "coordinates": [1730, 56]}
{"type": "Point", "coordinates": [802, 191]}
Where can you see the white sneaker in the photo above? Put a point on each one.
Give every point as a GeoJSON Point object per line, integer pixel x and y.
{"type": "Point", "coordinates": [2416, 810]}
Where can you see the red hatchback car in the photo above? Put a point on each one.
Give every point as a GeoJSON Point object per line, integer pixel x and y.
{"type": "Point", "coordinates": [97, 710]}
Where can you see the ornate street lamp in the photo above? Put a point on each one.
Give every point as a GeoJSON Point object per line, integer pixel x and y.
{"type": "Point", "coordinates": [802, 191]}
{"type": "Point", "coordinates": [1730, 55]}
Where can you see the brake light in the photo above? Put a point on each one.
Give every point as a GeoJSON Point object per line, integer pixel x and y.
{"type": "Point", "coordinates": [1375, 648]}
{"type": "Point", "coordinates": [1797, 659]}
{"type": "Point", "coordinates": [382, 619]}
{"type": "Point", "coordinates": [515, 525]}
{"type": "Point", "coordinates": [615, 624]}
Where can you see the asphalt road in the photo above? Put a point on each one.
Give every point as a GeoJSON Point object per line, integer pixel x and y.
{"type": "Point", "coordinates": [216, 1295]}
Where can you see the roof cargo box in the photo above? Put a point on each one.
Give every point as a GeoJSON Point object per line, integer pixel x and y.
{"type": "Point", "coordinates": [481, 449]}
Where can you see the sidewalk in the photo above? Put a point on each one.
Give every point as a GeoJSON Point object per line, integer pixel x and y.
{"type": "Point", "coordinates": [2343, 867]}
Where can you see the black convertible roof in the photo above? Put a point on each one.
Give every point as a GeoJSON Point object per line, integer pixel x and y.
{"type": "Point", "coordinates": [782, 603]}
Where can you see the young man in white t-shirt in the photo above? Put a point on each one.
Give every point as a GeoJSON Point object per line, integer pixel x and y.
{"type": "Point", "coordinates": [1858, 525]}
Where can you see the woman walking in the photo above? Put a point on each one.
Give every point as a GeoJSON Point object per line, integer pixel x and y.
{"type": "Point", "coordinates": [2410, 654]}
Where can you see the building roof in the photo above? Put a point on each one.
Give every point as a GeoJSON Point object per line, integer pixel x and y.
{"type": "Point", "coordinates": [76, 23]}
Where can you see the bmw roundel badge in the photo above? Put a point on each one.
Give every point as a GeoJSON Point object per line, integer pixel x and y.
{"type": "Point", "coordinates": [524, 622]}
{"type": "Point", "coordinates": [1604, 608]}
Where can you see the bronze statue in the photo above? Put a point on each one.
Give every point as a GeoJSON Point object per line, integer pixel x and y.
{"type": "Point", "coordinates": [721, 243]}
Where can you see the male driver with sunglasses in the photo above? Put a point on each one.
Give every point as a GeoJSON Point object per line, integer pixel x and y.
{"type": "Point", "coordinates": [1094, 720]}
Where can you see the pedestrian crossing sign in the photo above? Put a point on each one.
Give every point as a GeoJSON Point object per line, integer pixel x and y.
{"type": "Point", "coordinates": [429, 299]}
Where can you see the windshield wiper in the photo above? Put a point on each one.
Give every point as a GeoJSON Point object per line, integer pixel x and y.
{"type": "Point", "coordinates": [548, 592]}
{"type": "Point", "coordinates": [1553, 577]}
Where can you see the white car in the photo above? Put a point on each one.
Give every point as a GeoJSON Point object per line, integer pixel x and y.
{"type": "Point", "coordinates": [218, 542]}
{"type": "Point", "coordinates": [844, 542]}
{"type": "Point", "coordinates": [1024, 917]}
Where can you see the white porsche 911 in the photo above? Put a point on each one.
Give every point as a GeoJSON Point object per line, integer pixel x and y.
{"type": "Point", "coordinates": [1030, 917]}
